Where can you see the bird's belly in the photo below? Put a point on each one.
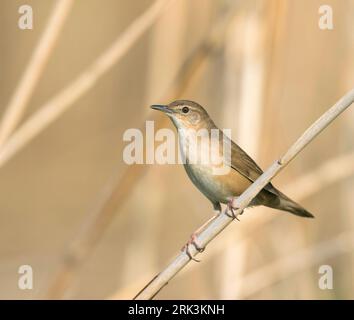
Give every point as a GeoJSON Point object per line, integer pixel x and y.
{"type": "Point", "coordinates": [218, 188]}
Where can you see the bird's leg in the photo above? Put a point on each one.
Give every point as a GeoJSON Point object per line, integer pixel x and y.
{"type": "Point", "coordinates": [230, 208]}
{"type": "Point", "coordinates": [193, 238]}
{"type": "Point", "coordinates": [191, 241]}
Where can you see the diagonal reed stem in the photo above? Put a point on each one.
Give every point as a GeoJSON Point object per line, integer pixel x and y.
{"type": "Point", "coordinates": [222, 221]}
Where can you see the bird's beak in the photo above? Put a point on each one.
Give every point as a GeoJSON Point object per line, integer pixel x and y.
{"type": "Point", "coordinates": [162, 108]}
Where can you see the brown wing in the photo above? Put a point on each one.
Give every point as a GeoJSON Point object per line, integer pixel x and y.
{"type": "Point", "coordinates": [244, 164]}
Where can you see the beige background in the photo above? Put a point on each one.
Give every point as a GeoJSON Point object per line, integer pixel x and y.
{"type": "Point", "coordinates": [274, 71]}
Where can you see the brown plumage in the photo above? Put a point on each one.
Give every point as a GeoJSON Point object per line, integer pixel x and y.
{"type": "Point", "coordinates": [243, 172]}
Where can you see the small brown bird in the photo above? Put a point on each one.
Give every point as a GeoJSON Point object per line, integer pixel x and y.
{"type": "Point", "coordinates": [243, 170]}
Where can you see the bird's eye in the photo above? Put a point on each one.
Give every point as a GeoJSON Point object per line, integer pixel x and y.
{"type": "Point", "coordinates": [185, 109]}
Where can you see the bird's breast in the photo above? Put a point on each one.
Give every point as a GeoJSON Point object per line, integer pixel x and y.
{"type": "Point", "coordinates": [201, 170]}
{"type": "Point", "coordinates": [205, 181]}
{"type": "Point", "coordinates": [219, 188]}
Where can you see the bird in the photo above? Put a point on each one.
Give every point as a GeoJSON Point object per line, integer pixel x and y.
{"type": "Point", "coordinates": [189, 116]}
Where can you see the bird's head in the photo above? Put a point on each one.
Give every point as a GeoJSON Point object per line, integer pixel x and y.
{"type": "Point", "coordinates": [186, 114]}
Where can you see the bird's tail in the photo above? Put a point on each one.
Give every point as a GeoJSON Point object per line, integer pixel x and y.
{"type": "Point", "coordinates": [286, 204]}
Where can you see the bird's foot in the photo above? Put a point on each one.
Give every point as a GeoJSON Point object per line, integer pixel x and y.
{"type": "Point", "coordinates": [230, 208]}
{"type": "Point", "coordinates": [192, 241]}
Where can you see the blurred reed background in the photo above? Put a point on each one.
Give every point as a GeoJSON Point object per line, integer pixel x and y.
{"type": "Point", "coordinates": [92, 226]}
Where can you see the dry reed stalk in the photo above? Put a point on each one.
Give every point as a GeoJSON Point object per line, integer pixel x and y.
{"type": "Point", "coordinates": [249, 36]}
{"type": "Point", "coordinates": [38, 61]}
{"type": "Point", "coordinates": [50, 111]}
{"type": "Point", "coordinates": [257, 58]}
{"type": "Point", "coordinates": [223, 220]}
